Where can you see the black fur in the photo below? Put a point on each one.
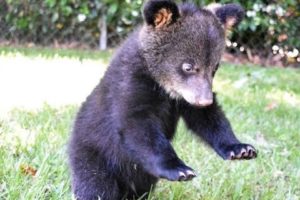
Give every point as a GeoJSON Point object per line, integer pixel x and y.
{"type": "Point", "coordinates": [188, 9]}
{"type": "Point", "coordinates": [120, 145]}
{"type": "Point", "coordinates": [230, 10]}
{"type": "Point", "coordinates": [153, 6]}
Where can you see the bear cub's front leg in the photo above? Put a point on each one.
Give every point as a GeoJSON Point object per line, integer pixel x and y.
{"type": "Point", "coordinates": [148, 146]}
{"type": "Point", "coordinates": [213, 127]}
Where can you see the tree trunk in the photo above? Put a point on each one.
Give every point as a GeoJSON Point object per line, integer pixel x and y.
{"type": "Point", "coordinates": [103, 33]}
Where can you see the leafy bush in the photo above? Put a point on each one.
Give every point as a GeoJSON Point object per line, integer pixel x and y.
{"type": "Point", "coordinates": [269, 27]}
{"type": "Point", "coordinates": [44, 22]}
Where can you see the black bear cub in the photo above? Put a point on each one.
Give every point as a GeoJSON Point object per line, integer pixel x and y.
{"type": "Point", "coordinates": [120, 145]}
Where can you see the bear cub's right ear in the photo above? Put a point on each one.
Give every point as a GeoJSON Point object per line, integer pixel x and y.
{"type": "Point", "coordinates": [160, 13]}
{"type": "Point", "coordinates": [229, 14]}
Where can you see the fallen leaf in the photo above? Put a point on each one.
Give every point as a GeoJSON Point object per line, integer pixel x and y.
{"type": "Point", "coordinates": [28, 170]}
{"type": "Point", "coordinates": [271, 106]}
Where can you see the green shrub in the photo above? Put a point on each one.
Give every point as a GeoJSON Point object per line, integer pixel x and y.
{"type": "Point", "coordinates": [44, 22]}
{"type": "Point", "coordinates": [266, 25]}
{"type": "Point", "coordinates": [268, 28]}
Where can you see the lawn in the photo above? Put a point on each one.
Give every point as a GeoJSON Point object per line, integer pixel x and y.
{"type": "Point", "coordinates": [263, 105]}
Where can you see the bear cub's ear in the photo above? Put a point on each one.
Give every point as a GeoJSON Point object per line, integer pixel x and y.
{"type": "Point", "coordinates": [160, 13]}
{"type": "Point", "coordinates": [229, 14]}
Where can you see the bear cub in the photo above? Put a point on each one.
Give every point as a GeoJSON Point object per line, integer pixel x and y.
{"type": "Point", "coordinates": [120, 144]}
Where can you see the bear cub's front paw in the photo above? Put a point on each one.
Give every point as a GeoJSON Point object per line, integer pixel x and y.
{"type": "Point", "coordinates": [176, 171]}
{"type": "Point", "coordinates": [240, 152]}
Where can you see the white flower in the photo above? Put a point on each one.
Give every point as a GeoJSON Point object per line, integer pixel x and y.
{"type": "Point", "coordinates": [275, 48]}
{"type": "Point", "coordinates": [251, 13]}
{"type": "Point", "coordinates": [269, 8]}
{"type": "Point", "coordinates": [272, 22]}
{"type": "Point", "coordinates": [293, 54]}
{"type": "Point", "coordinates": [81, 17]}
{"type": "Point", "coordinates": [257, 7]}
{"type": "Point", "coordinates": [280, 11]}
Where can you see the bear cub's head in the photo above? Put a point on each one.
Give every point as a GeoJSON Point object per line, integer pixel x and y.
{"type": "Point", "coordinates": [183, 45]}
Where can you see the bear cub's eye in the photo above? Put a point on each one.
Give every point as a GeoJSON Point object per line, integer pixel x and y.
{"type": "Point", "coordinates": [188, 68]}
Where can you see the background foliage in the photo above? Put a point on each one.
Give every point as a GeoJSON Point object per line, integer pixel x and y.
{"type": "Point", "coordinates": [270, 27]}
{"type": "Point", "coordinates": [44, 22]}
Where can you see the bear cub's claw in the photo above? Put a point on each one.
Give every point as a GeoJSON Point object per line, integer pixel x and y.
{"type": "Point", "coordinates": [188, 175]}
{"type": "Point", "coordinates": [240, 152]}
{"type": "Point", "coordinates": [177, 172]}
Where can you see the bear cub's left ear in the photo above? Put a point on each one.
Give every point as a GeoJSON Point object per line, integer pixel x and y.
{"type": "Point", "coordinates": [229, 14]}
{"type": "Point", "coordinates": [160, 13]}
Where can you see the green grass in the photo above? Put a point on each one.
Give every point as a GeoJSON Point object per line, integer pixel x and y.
{"type": "Point", "coordinates": [50, 53]}
{"type": "Point", "coordinates": [263, 105]}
